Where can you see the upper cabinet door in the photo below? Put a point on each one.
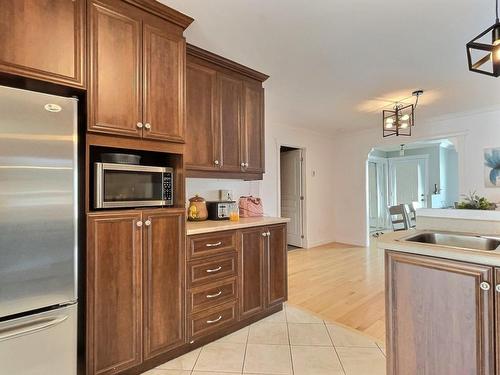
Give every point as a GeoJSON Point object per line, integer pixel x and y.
{"type": "Point", "coordinates": [202, 133]}
{"type": "Point", "coordinates": [43, 39]}
{"type": "Point", "coordinates": [229, 103]}
{"type": "Point", "coordinates": [115, 104]}
{"type": "Point", "coordinates": [164, 51]}
{"type": "Point", "coordinates": [164, 265]}
{"type": "Point", "coordinates": [253, 125]}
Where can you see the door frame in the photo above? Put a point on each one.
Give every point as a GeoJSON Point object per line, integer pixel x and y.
{"type": "Point", "coordinates": [303, 186]}
{"type": "Point", "coordinates": [424, 157]}
{"type": "Point", "coordinates": [385, 163]}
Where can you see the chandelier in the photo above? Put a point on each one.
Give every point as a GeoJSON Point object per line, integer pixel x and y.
{"type": "Point", "coordinates": [401, 118]}
{"type": "Point", "coordinates": [483, 55]}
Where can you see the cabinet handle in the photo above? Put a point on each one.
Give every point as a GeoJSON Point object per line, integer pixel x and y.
{"type": "Point", "coordinates": [139, 224]}
{"type": "Point", "coordinates": [215, 269]}
{"type": "Point", "coordinates": [484, 286]}
{"type": "Point", "coordinates": [147, 125]}
{"type": "Point", "coordinates": [215, 320]}
{"type": "Point", "coordinates": [147, 223]}
{"type": "Point", "coordinates": [213, 244]}
{"type": "Point", "coordinates": [497, 288]}
{"type": "Point", "coordinates": [214, 295]}
{"type": "Point", "coordinates": [216, 162]}
{"type": "Point", "coordinates": [139, 125]}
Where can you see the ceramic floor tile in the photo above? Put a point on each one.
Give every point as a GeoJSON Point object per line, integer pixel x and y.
{"type": "Point", "coordinates": [166, 372]}
{"type": "Point", "coordinates": [278, 317]}
{"type": "Point", "coordinates": [268, 359]}
{"type": "Point", "coordinates": [315, 360]}
{"type": "Point", "coordinates": [308, 334]}
{"type": "Point", "coordinates": [221, 356]}
{"type": "Point", "coordinates": [238, 337]}
{"type": "Point", "coordinates": [345, 337]}
{"type": "Point", "coordinates": [214, 373]}
{"type": "Point", "coordinates": [382, 348]}
{"type": "Point", "coordinates": [268, 333]}
{"type": "Point", "coordinates": [184, 362]}
{"type": "Point", "coordinates": [295, 315]}
{"type": "Point", "coordinates": [362, 361]}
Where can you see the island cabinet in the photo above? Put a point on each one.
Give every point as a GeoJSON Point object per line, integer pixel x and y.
{"type": "Point", "coordinates": [137, 70]}
{"type": "Point", "coordinates": [44, 39]}
{"type": "Point", "coordinates": [234, 278]}
{"type": "Point", "coordinates": [135, 287]}
{"type": "Point", "coordinates": [225, 117]}
{"type": "Point", "coordinates": [440, 316]}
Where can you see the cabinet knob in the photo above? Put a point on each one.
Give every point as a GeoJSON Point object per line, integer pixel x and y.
{"type": "Point", "coordinates": [243, 164]}
{"type": "Point", "coordinates": [268, 233]}
{"type": "Point", "coordinates": [216, 162]}
{"type": "Point", "coordinates": [147, 125]}
{"type": "Point", "coordinates": [139, 125]}
{"type": "Point", "coordinates": [264, 234]}
{"type": "Point", "coordinates": [246, 164]}
{"type": "Point", "coordinates": [147, 223]}
{"type": "Point", "coordinates": [485, 286]}
{"type": "Point", "coordinates": [497, 288]}
{"type": "Point", "coordinates": [139, 224]}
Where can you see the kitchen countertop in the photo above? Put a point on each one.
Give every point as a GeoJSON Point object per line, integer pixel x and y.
{"type": "Point", "coordinates": [209, 226]}
{"type": "Point", "coordinates": [392, 241]}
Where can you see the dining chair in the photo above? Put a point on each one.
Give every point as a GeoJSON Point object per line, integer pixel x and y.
{"type": "Point", "coordinates": [399, 217]}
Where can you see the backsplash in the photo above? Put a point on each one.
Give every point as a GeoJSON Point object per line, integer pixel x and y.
{"type": "Point", "coordinates": [209, 188]}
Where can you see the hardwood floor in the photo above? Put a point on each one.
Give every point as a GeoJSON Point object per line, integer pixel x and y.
{"type": "Point", "coordinates": [340, 283]}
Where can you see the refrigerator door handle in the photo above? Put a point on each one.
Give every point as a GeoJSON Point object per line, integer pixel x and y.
{"type": "Point", "coordinates": [30, 327]}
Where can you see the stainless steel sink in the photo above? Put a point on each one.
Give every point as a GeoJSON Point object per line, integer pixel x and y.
{"type": "Point", "coordinates": [457, 240]}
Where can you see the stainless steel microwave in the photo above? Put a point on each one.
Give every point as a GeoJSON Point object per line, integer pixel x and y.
{"type": "Point", "coordinates": [126, 185]}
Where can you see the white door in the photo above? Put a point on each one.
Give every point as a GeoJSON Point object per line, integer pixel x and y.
{"type": "Point", "coordinates": [408, 181]}
{"type": "Point", "coordinates": [291, 194]}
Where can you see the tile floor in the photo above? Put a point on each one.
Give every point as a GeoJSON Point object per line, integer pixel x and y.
{"type": "Point", "coordinates": [291, 342]}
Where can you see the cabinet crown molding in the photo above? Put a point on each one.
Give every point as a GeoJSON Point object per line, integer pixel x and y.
{"type": "Point", "coordinates": [200, 53]}
{"type": "Point", "coordinates": [163, 11]}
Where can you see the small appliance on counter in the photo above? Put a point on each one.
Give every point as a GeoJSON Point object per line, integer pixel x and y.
{"type": "Point", "coordinates": [197, 210]}
{"type": "Point", "coordinates": [222, 210]}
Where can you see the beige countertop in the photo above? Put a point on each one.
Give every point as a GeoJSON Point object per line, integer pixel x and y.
{"type": "Point", "coordinates": [393, 241]}
{"type": "Point", "coordinates": [209, 226]}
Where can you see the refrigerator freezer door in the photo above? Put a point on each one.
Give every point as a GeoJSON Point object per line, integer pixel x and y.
{"type": "Point", "coordinates": [38, 200]}
{"type": "Point", "coordinates": [40, 344]}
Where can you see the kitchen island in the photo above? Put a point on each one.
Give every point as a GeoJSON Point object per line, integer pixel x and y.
{"type": "Point", "coordinates": [443, 297]}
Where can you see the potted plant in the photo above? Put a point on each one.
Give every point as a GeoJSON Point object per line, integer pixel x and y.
{"type": "Point", "coordinates": [472, 201]}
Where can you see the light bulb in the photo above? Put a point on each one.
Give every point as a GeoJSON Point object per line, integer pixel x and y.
{"type": "Point", "coordinates": [405, 117]}
{"type": "Point", "coordinates": [404, 125]}
{"type": "Point", "coordinates": [390, 120]}
{"type": "Point", "coordinates": [388, 125]}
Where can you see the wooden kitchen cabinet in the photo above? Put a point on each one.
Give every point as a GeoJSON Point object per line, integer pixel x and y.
{"type": "Point", "coordinates": [277, 277]}
{"type": "Point", "coordinates": [440, 316]}
{"type": "Point", "coordinates": [252, 271]}
{"type": "Point", "coordinates": [135, 287]}
{"type": "Point", "coordinates": [114, 292]}
{"type": "Point", "coordinates": [137, 72]}
{"type": "Point", "coordinates": [225, 116]}
{"type": "Point", "coordinates": [44, 39]}
{"type": "Point", "coordinates": [163, 281]}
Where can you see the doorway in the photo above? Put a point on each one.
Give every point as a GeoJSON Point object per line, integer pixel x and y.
{"type": "Point", "coordinates": [409, 180]}
{"type": "Point", "coordinates": [292, 196]}
{"type": "Point", "coordinates": [378, 194]}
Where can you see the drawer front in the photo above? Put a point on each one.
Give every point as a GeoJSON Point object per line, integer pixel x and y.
{"type": "Point", "coordinates": [211, 244]}
{"type": "Point", "coordinates": [212, 270]}
{"type": "Point", "coordinates": [211, 321]}
{"type": "Point", "coordinates": [212, 295]}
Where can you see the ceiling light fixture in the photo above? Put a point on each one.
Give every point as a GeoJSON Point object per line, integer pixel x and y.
{"type": "Point", "coordinates": [488, 63]}
{"type": "Point", "coordinates": [401, 119]}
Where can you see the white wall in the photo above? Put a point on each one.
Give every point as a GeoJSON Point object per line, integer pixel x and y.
{"type": "Point", "coordinates": [472, 132]}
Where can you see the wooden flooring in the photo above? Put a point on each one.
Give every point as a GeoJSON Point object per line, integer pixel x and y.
{"type": "Point", "coordinates": [340, 283]}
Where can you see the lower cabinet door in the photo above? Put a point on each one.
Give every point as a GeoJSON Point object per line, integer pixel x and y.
{"type": "Point", "coordinates": [114, 293]}
{"type": "Point", "coordinates": [252, 271]}
{"type": "Point", "coordinates": [439, 316]}
{"type": "Point", "coordinates": [276, 265]}
{"type": "Point", "coordinates": [164, 265]}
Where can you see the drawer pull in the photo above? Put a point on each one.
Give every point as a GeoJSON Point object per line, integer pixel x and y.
{"type": "Point", "coordinates": [214, 295]}
{"type": "Point", "coordinates": [215, 269]}
{"type": "Point", "coordinates": [215, 320]}
{"type": "Point", "coordinates": [213, 244]}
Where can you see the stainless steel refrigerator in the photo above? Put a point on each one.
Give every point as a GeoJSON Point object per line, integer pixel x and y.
{"type": "Point", "coordinates": [38, 233]}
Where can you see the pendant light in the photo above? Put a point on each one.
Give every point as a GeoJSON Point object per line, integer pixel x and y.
{"type": "Point", "coordinates": [401, 118]}
{"type": "Point", "coordinates": [484, 57]}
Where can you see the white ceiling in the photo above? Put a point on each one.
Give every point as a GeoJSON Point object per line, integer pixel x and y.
{"type": "Point", "coordinates": [333, 64]}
